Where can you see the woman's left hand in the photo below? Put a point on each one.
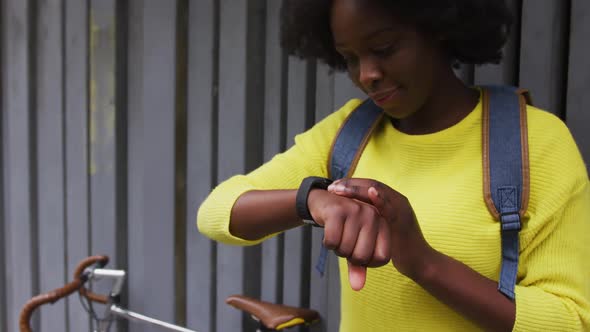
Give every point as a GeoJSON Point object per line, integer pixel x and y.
{"type": "Point", "coordinates": [409, 250]}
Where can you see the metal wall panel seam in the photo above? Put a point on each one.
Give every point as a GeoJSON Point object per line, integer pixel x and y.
{"type": "Point", "coordinates": [180, 162]}
{"type": "Point", "coordinates": [122, 143]}
{"type": "Point", "coordinates": [3, 247]}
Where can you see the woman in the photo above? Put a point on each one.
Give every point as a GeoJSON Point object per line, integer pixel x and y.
{"type": "Point", "coordinates": [415, 197]}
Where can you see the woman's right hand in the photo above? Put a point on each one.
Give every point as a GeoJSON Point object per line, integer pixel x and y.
{"type": "Point", "coordinates": [352, 229]}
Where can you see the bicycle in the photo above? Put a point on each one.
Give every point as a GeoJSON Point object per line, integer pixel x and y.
{"type": "Point", "coordinates": [270, 316]}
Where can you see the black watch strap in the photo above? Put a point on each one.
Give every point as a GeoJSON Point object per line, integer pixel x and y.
{"type": "Point", "coordinates": [306, 186]}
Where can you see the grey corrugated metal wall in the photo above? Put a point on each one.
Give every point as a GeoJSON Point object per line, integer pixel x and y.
{"type": "Point", "coordinates": [118, 117]}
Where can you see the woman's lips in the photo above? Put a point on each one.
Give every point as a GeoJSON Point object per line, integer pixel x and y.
{"type": "Point", "coordinates": [383, 97]}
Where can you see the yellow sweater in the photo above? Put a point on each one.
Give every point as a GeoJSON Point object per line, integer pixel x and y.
{"type": "Point", "coordinates": [441, 174]}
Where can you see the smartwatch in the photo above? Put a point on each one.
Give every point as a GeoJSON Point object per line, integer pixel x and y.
{"type": "Point", "coordinates": [309, 183]}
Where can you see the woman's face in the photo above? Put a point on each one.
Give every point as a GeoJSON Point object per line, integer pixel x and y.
{"type": "Point", "coordinates": [392, 62]}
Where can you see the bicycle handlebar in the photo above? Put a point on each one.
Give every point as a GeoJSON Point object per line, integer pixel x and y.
{"type": "Point", "coordinates": [80, 277]}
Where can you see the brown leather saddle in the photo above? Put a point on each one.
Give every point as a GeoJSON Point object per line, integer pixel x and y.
{"type": "Point", "coordinates": [273, 316]}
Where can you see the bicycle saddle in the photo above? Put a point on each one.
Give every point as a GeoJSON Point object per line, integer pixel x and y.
{"type": "Point", "coordinates": [273, 316]}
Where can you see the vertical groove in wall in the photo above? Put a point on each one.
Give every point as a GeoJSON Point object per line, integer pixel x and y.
{"type": "Point", "coordinates": [284, 132]}
{"type": "Point", "coordinates": [562, 43]}
{"type": "Point", "coordinates": [284, 99]}
{"type": "Point", "coordinates": [33, 166]}
{"type": "Point", "coordinates": [181, 132]}
{"type": "Point", "coordinates": [87, 138]}
{"type": "Point", "coordinates": [64, 160]}
{"type": "Point", "coordinates": [255, 60]}
{"type": "Point", "coordinates": [310, 100]}
{"type": "Point", "coordinates": [516, 32]}
{"type": "Point", "coordinates": [310, 106]}
{"type": "Point", "coordinates": [121, 149]}
{"type": "Point", "coordinates": [471, 75]}
{"type": "Point", "coordinates": [565, 56]}
{"type": "Point", "coordinates": [3, 247]}
{"type": "Point", "coordinates": [283, 146]}
{"type": "Point", "coordinates": [306, 268]}
{"type": "Point", "coordinates": [214, 153]}
{"type": "Point", "coordinates": [511, 54]}
{"type": "Point", "coordinates": [89, 126]}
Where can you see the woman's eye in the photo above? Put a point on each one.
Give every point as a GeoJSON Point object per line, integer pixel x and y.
{"type": "Point", "coordinates": [384, 51]}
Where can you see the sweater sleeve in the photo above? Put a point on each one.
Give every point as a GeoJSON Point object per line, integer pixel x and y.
{"type": "Point", "coordinates": [553, 292]}
{"type": "Point", "coordinates": [307, 157]}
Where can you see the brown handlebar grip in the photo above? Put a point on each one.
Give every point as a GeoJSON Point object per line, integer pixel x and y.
{"type": "Point", "coordinates": [56, 294]}
{"type": "Point", "coordinates": [93, 296]}
{"type": "Point", "coordinates": [41, 299]}
{"type": "Point", "coordinates": [80, 269]}
{"type": "Point", "coordinates": [86, 262]}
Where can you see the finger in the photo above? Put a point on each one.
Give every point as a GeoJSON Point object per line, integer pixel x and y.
{"type": "Point", "coordinates": [358, 192]}
{"type": "Point", "coordinates": [349, 238]}
{"type": "Point", "coordinates": [382, 253]}
{"type": "Point", "coordinates": [342, 184]}
{"type": "Point", "coordinates": [379, 201]}
{"type": "Point", "coordinates": [333, 228]}
{"type": "Point", "coordinates": [357, 276]}
{"type": "Point", "coordinates": [365, 243]}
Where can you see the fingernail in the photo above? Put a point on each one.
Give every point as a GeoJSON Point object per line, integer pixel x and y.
{"type": "Point", "coordinates": [339, 188]}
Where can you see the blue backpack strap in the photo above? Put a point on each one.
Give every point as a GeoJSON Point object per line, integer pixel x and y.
{"type": "Point", "coordinates": [352, 138]}
{"type": "Point", "coordinates": [506, 171]}
{"type": "Point", "coordinates": [347, 148]}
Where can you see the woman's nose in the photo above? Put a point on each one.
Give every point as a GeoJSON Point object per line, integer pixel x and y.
{"type": "Point", "coordinates": [369, 73]}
